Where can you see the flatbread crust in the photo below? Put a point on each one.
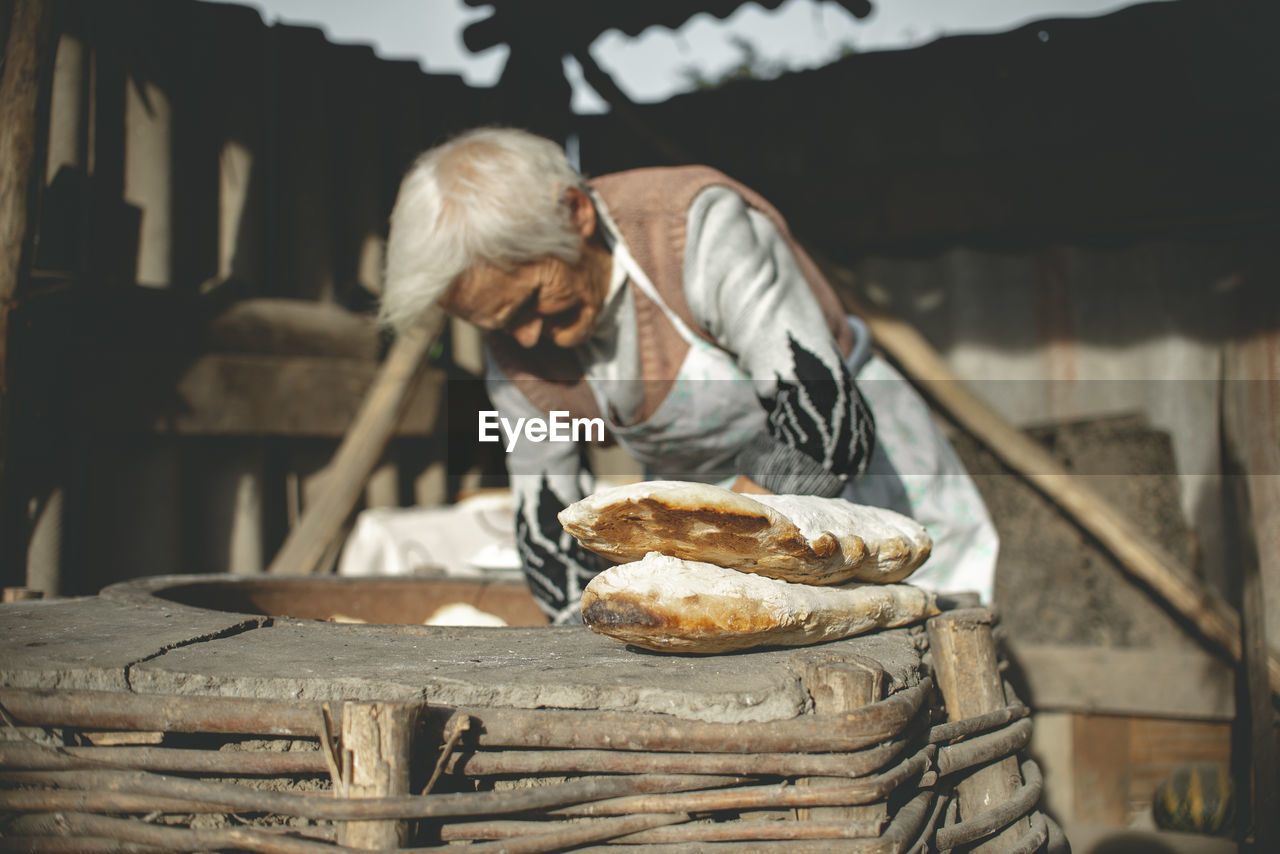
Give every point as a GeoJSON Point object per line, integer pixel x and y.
{"type": "Point", "coordinates": [668, 604]}
{"type": "Point", "coordinates": [799, 538]}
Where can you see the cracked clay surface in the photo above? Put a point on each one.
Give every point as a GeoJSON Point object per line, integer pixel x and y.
{"type": "Point", "coordinates": [95, 644]}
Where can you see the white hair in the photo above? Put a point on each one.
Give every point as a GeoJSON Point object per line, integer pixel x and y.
{"type": "Point", "coordinates": [488, 196]}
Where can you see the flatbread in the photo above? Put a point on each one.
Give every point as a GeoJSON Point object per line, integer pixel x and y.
{"type": "Point", "coordinates": [792, 537]}
{"type": "Point", "coordinates": [668, 604]}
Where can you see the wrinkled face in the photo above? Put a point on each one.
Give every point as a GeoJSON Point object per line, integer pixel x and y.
{"type": "Point", "coordinates": [546, 300]}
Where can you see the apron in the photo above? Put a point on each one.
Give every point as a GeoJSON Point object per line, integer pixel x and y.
{"type": "Point", "coordinates": [712, 411]}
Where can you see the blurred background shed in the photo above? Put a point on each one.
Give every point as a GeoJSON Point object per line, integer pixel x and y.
{"type": "Point", "coordinates": [1080, 216]}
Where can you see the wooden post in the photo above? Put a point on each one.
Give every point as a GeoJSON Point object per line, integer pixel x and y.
{"type": "Point", "coordinates": [841, 683]}
{"type": "Point", "coordinates": [317, 532]}
{"type": "Point", "coordinates": [26, 59]}
{"type": "Point", "coordinates": [376, 757]}
{"type": "Point", "coordinates": [967, 672]}
{"type": "Point", "coordinates": [25, 83]}
{"type": "Point", "coordinates": [1250, 436]}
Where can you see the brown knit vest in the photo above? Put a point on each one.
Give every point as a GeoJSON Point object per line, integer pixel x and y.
{"type": "Point", "coordinates": [650, 208]}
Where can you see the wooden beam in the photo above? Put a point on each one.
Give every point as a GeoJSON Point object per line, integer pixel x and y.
{"type": "Point", "coordinates": [26, 60]}
{"type": "Point", "coordinates": [968, 672]}
{"type": "Point", "coordinates": [27, 56]}
{"type": "Point", "coordinates": [1249, 432]}
{"type": "Point", "coordinates": [377, 756]}
{"type": "Point", "coordinates": [304, 549]}
{"type": "Point", "coordinates": [842, 685]}
{"type": "Point", "coordinates": [1147, 683]}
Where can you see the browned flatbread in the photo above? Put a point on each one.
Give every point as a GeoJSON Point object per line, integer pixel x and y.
{"type": "Point", "coordinates": [667, 604]}
{"type": "Point", "coordinates": [792, 537]}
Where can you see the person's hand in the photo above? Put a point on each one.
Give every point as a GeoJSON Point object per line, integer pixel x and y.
{"type": "Point", "coordinates": [748, 486]}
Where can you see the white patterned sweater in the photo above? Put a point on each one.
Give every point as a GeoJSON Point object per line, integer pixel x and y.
{"type": "Point", "coordinates": [745, 290]}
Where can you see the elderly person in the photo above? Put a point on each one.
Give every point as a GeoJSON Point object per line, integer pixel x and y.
{"type": "Point", "coordinates": [674, 304]}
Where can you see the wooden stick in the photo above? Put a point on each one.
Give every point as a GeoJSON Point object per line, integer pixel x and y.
{"type": "Point", "coordinates": [998, 816]}
{"type": "Point", "coordinates": [35, 843]}
{"type": "Point", "coordinates": [28, 801]}
{"type": "Point", "coordinates": [181, 838]}
{"type": "Point", "coordinates": [324, 731]}
{"type": "Point", "coordinates": [715, 831]}
{"type": "Point", "coordinates": [964, 659]}
{"type": "Point", "coordinates": [982, 723]}
{"type": "Point", "coordinates": [76, 845]}
{"type": "Point", "coordinates": [911, 825]}
{"type": "Point", "coordinates": [524, 728]}
{"type": "Point", "coordinates": [984, 748]}
{"type": "Point", "coordinates": [25, 83]}
{"type": "Point", "coordinates": [818, 793]}
{"type": "Point", "coordinates": [317, 532]}
{"type": "Point", "coordinates": [377, 736]}
{"type": "Point", "coordinates": [842, 686]}
{"type": "Point", "coordinates": [851, 764]}
{"type": "Point", "coordinates": [571, 836]}
{"type": "Point", "coordinates": [1209, 614]}
{"type": "Point", "coordinates": [453, 732]}
{"type": "Point", "coordinates": [235, 798]}
{"type": "Point", "coordinates": [755, 829]}
{"type": "Point", "coordinates": [113, 710]}
{"type": "Point", "coordinates": [233, 763]}
{"type": "Point", "coordinates": [887, 719]}
{"type": "Point", "coordinates": [26, 54]}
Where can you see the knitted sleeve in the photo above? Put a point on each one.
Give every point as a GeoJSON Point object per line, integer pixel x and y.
{"type": "Point", "coordinates": [545, 478]}
{"type": "Point", "coordinates": [746, 290]}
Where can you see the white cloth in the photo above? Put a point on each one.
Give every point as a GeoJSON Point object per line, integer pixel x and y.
{"type": "Point", "coordinates": [474, 538]}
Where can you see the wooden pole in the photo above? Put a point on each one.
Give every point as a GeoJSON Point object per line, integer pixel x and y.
{"type": "Point", "coordinates": [967, 671]}
{"type": "Point", "coordinates": [1249, 430]}
{"type": "Point", "coordinates": [838, 685]}
{"type": "Point", "coordinates": [27, 67]}
{"type": "Point", "coordinates": [376, 759]}
{"type": "Point", "coordinates": [26, 61]}
{"type": "Point", "coordinates": [316, 533]}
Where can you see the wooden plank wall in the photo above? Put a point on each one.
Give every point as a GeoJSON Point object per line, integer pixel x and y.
{"type": "Point", "coordinates": [199, 159]}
